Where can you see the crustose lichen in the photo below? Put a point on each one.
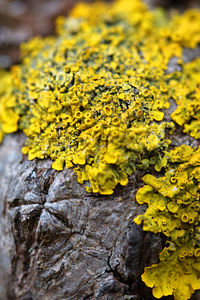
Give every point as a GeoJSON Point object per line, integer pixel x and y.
{"type": "Point", "coordinates": [94, 98]}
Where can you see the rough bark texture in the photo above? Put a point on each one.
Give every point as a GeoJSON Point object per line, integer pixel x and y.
{"type": "Point", "coordinates": [59, 242]}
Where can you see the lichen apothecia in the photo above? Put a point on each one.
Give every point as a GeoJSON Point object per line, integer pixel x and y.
{"type": "Point", "coordinates": [95, 96]}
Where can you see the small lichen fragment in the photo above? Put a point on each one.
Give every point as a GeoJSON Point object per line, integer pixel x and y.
{"type": "Point", "coordinates": [176, 274]}
{"type": "Point", "coordinates": [8, 118]}
{"type": "Point", "coordinates": [174, 210]}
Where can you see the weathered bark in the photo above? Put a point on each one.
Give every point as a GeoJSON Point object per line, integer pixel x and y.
{"type": "Point", "coordinates": [59, 242]}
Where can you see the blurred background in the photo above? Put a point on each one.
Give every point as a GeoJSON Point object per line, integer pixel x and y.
{"type": "Point", "coordinates": [22, 19]}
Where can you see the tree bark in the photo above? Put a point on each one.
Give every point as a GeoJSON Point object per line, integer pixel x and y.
{"type": "Point", "coordinates": [59, 242]}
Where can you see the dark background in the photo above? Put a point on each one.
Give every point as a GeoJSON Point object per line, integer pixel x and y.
{"type": "Point", "coordinates": [22, 19]}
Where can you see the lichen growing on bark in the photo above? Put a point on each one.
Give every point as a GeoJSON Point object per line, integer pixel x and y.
{"type": "Point", "coordinates": [95, 96]}
{"type": "Point", "coordinates": [174, 209]}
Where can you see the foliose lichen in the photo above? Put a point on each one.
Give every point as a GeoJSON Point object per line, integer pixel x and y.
{"type": "Point", "coordinates": [174, 210]}
{"type": "Point", "coordinates": [95, 97]}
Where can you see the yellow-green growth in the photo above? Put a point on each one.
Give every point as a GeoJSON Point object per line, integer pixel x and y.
{"type": "Point", "coordinates": [94, 97]}
{"type": "Point", "coordinates": [8, 118]}
{"type": "Point", "coordinates": [185, 90]}
{"type": "Point", "coordinates": [174, 210]}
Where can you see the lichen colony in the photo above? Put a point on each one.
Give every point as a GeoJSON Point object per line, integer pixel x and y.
{"type": "Point", "coordinates": [95, 98]}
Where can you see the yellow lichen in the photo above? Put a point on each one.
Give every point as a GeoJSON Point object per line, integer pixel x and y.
{"type": "Point", "coordinates": [186, 93]}
{"type": "Point", "coordinates": [174, 210]}
{"type": "Point", "coordinates": [95, 98]}
{"type": "Point", "coordinates": [177, 274]}
{"type": "Point", "coordinates": [8, 118]}
{"type": "Point", "coordinates": [91, 98]}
